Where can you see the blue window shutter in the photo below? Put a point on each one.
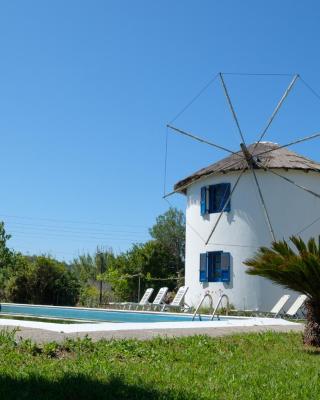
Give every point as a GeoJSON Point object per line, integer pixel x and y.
{"type": "Point", "coordinates": [203, 201]}
{"type": "Point", "coordinates": [225, 267]}
{"type": "Point", "coordinates": [203, 267]}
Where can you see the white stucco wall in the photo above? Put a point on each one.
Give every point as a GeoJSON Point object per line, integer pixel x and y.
{"type": "Point", "coordinates": [242, 230]}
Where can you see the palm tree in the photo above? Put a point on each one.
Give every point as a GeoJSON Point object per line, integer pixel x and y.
{"type": "Point", "coordinates": [297, 270]}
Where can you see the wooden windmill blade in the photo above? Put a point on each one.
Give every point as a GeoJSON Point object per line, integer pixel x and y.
{"type": "Point", "coordinates": [276, 110]}
{"type": "Point", "coordinates": [248, 156]}
{"type": "Point", "coordinates": [199, 139]}
{"type": "Point", "coordinates": [264, 206]}
{"type": "Point", "coordinates": [226, 92]}
{"type": "Point", "coordinates": [290, 181]}
{"type": "Point", "coordinates": [304, 139]}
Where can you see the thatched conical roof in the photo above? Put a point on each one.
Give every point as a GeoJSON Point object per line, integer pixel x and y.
{"type": "Point", "coordinates": [268, 154]}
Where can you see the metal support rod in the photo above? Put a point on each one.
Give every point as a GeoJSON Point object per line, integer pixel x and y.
{"type": "Point", "coordinates": [225, 205]}
{"type": "Point", "coordinates": [277, 108]}
{"type": "Point", "coordinates": [231, 106]}
{"type": "Point", "coordinates": [264, 206]}
{"type": "Point", "coordinates": [290, 144]}
{"type": "Point", "coordinates": [199, 139]}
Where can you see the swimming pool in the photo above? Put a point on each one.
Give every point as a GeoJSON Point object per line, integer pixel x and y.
{"type": "Point", "coordinates": [112, 321]}
{"type": "Point", "coordinates": [92, 314]}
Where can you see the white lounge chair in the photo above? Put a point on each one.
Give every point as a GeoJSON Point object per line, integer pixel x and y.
{"type": "Point", "coordinates": [275, 311]}
{"type": "Point", "coordinates": [177, 302]}
{"type": "Point", "coordinates": [143, 302]}
{"type": "Point", "coordinates": [296, 306]}
{"type": "Point", "coordinates": [159, 299]}
{"type": "Point", "coordinates": [278, 307]}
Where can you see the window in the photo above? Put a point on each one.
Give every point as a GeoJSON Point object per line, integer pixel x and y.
{"type": "Point", "coordinates": [214, 198]}
{"type": "Point", "coordinates": [215, 266]}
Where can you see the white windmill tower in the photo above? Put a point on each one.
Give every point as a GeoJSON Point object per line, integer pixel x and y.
{"type": "Point", "coordinates": [252, 197]}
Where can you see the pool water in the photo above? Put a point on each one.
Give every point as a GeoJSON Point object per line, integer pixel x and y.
{"type": "Point", "coordinates": [95, 314]}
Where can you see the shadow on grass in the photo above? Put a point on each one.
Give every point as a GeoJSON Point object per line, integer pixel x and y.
{"type": "Point", "coordinates": [312, 351]}
{"type": "Point", "coordinates": [80, 387]}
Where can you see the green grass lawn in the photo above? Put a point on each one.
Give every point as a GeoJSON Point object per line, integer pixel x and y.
{"type": "Point", "coordinates": [251, 366]}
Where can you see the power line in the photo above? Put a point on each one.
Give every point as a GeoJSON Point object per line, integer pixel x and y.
{"type": "Point", "coordinates": [77, 238]}
{"type": "Point", "coordinates": [66, 229]}
{"type": "Point", "coordinates": [69, 221]}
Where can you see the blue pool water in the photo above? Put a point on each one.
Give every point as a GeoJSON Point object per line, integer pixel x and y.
{"type": "Point", "coordinates": [90, 314]}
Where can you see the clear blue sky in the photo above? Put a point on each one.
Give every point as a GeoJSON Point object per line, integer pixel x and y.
{"type": "Point", "coordinates": [86, 88]}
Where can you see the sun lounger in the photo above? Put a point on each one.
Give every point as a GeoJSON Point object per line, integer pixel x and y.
{"type": "Point", "coordinates": [177, 302]}
{"type": "Point", "coordinates": [278, 307]}
{"type": "Point", "coordinates": [275, 311]}
{"type": "Point", "coordinates": [296, 306]}
{"type": "Point", "coordinates": [143, 302]}
{"type": "Point", "coordinates": [159, 299]}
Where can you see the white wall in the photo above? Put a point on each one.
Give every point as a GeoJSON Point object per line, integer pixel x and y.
{"type": "Point", "coordinates": [242, 230]}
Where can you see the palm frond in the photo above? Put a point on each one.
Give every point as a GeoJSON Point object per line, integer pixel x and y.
{"type": "Point", "coordinates": [297, 270]}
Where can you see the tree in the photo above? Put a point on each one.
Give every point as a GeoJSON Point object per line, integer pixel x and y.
{"type": "Point", "coordinates": [297, 270]}
{"type": "Point", "coordinates": [8, 260]}
{"type": "Point", "coordinates": [42, 280]}
{"type": "Point", "coordinates": [150, 262]}
{"type": "Point", "coordinates": [88, 270]}
{"type": "Point", "coordinates": [5, 252]}
{"type": "Point", "coordinates": [85, 268]}
{"type": "Point", "coordinates": [169, 230]}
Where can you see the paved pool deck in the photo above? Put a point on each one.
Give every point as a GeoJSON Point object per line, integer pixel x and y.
{"type": "Point", "coordinates": [43, 335]}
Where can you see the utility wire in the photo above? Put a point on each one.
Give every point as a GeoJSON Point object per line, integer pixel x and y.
{"type": "Point", "coordinates": [76, 238]}
{"type": "Point", "coordinates": [68, 221]}
{"type": "Point", "coordinates": [68, 229]}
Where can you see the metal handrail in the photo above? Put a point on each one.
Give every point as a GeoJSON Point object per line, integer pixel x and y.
{"type": "Point", "coordinates": [219, 303]}
{"type": "Point", "coordinates": [207, 294]}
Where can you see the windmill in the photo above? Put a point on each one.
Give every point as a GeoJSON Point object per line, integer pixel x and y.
{"type": "Point", "coordinates": [251, 159]}
{"type": "Point", "coordinates": [261, 162]}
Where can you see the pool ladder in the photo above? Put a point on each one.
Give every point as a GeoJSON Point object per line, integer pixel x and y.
{"type": "Point", "coordinates": [208, 294]}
